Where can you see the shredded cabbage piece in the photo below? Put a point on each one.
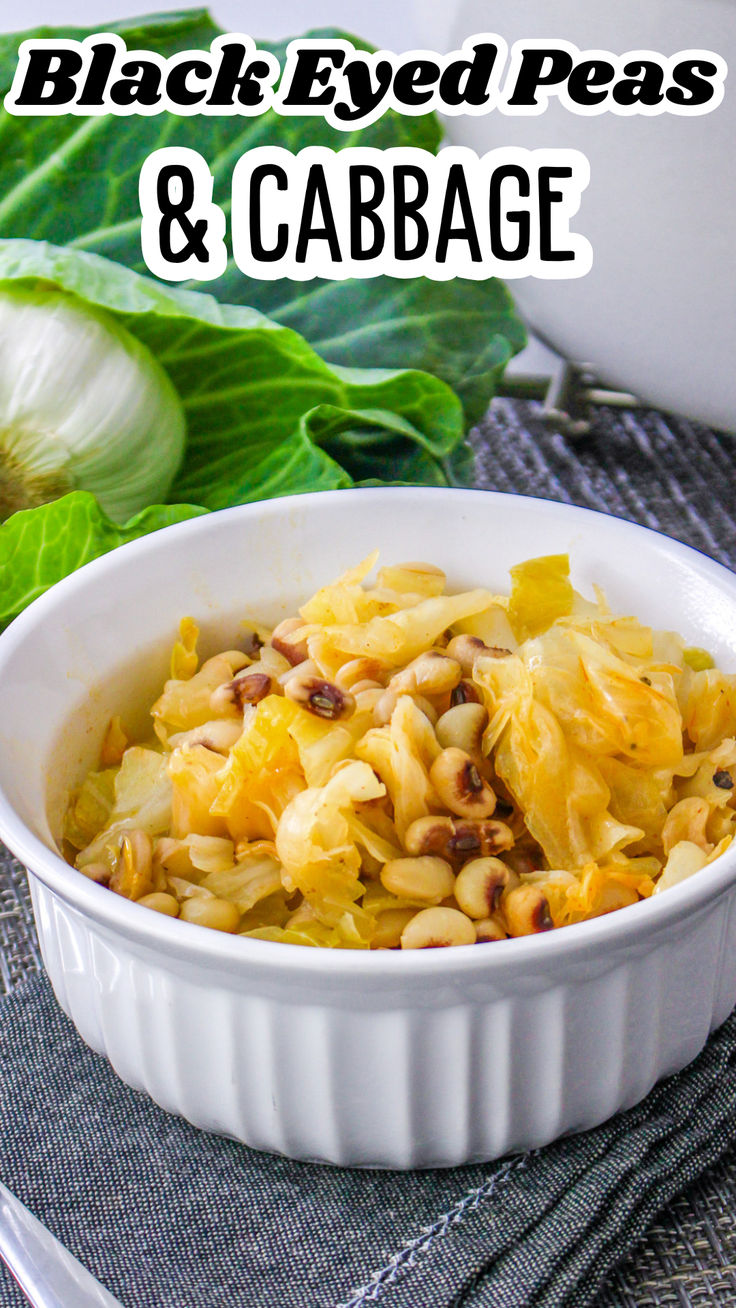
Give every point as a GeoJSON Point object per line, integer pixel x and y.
{"type": "Point", "coordinates": [541, 591]}
{"type": "Point", "coordinates": [184, 660]}
{"type": "Point", "coordinates": [400, 638]}
{"type": "Point", "coordinates": [317, 844]}
{"type": "Point", "coordinates": [254, 877]}
{"type": "Point", "coordinates": [710, 710]}
{"type": "Point", "coordinates": [142, 800]}
{"type": "Point", "coordinates": [90, 809]}
{"type": "Point", "coordinates": [262, 773]}
{"type": "Point", "coordinates": [395, 754]}
{"type": "Point", "coordinates": [698, 659]}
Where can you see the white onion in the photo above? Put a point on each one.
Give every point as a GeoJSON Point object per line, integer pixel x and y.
{"type": "Point", "coordinates": [84, 405]}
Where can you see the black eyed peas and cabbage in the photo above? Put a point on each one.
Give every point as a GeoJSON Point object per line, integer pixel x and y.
{"type": "Point", "coordinates": [395, 767]}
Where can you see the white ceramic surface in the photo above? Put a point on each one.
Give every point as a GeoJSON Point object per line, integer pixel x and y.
{"type": "Point", "coordinates": [396, 1059]}
{"type": "Point", "coordinates": [657, 314]}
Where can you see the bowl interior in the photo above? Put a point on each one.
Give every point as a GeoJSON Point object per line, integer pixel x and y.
{"type": "Point", "coordinates": [99, 643]}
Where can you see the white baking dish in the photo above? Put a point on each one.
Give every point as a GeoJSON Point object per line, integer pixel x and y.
{"type": "Point", "coordinates": [425, 1058]}
{"type": "Point", "coordinates": [656, 313]}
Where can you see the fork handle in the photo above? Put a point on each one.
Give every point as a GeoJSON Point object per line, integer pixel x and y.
{"type": "Point", "coordinates": [48, 1275]}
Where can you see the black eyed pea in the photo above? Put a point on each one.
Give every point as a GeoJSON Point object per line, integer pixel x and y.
{"type": "Point", "coordinates": [219, 735]}
{"type": "Point", "coordinates": [462, 727]}
{"type": "Point", "coordinates": [252, 686]}
{"type": "Point", "coordinates": [523, 858]}
{"type": "Point", "coordinates": [426, 878]}
{"type": "Point", "coordinates": [356, 671]}
{"type": "Point", "coordinates": [389, 698]}
{"type": "Point", "coordinates": [248, 687]}
{"type": "Point", "coordinates": [97, 872]}
{"type": "Point", "coordinates": [219, 914]}
{"type": "Point", "coordinates": [389, 927]}
{"type": "Point", "coordinates": [526, 911]}
{"type": "Point", "coordinates": [480, 885]}
{"type": "Point", "coordinates": [431, 673]}
{"type": "Point", "coordinates": [367, 698]}
{"type": "Point", "coordinates": [460, 786]}
{"type": "Point", "coordinates": [307, 668]}
{"type": "Point", "coordinates": [323, 698]}
{"type": "Point", "coordinates": [488, 930]}
{"type": "Point", "coordinates": [282, 641]}
{"type": "Point", "coordinates": [160, 902]}
{"type": "Point", "coordinates": [479, 836]}
{"type": "Point", "coordinates": [458, 839]}
{"type": "Point", "coordinates": [429, 835]}
{"type": "Point", "coordinates": [251, 641]}
{"type": "Point", "coordinates": [466, 649]}
{"type": "Point", "coordinates": [437, 928]}
{"type": "Point", "coordinates": [465, 692]}
{"type": "Point", "coordinates": [233, 660]}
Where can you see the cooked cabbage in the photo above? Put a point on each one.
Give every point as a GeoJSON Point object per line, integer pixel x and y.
{"type": "Point", "coordinates": [589, 762]}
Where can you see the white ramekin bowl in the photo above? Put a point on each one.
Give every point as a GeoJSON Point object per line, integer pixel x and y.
{"type": "Point", "coordinates": [656, 313]}
{"type": "Point", "coordinates": [393, 1059]}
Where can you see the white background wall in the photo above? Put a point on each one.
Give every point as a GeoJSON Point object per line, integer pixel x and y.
{"type": "Point", "coordinates": [388, 23]}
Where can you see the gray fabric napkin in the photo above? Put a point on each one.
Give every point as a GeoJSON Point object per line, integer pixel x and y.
{"type": "Point", "coordinates": [170, 1217]}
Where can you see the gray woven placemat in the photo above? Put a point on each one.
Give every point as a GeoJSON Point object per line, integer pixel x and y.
{"type": "Point", "coordinates": [674, 476]}
{"type": "Point", "coordinates": [19, 953]}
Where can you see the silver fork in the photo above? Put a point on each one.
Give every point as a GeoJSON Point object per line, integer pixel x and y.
{"type": "Point", "coordinates": [48, 1275]}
